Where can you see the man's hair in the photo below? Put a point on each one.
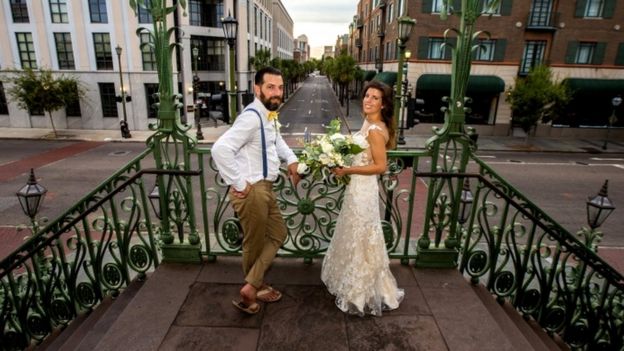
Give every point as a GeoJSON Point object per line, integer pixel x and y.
{"type": "Point", "coordinates": [259, 79]}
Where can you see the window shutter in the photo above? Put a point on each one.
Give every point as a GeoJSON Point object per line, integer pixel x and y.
{"type": "Point", "coordinates": [571, 52]}
{"type": "Point", "coordinates": [426, 6]}
{"type": "Point", "coordinates": [499, 49]}
{"type": "Point", "coordinates": [423, 48]}
{"type": "Point", "coordinates": [506, 7]}
{"type": "Point", "coordinates": [580, 8]}
{"type": "Point", "coordinates": [609, 8]}
{"type": "Point", "coordinates": [599, 53]}
{"type": "Point", "coordinates": [619, 58]}
{"type": "Point", "coordinates": [456, 6]}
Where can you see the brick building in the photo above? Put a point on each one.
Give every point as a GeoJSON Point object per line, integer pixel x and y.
{"type": "Point", "coordinates": [582, 41]}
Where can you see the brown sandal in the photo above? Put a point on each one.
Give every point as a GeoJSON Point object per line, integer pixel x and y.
{"type": "Point", "coordinates": [249, 309]}
{"type": "Point", "coordinates": [268, 294]}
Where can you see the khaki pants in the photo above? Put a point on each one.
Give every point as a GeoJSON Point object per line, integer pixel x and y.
{"type": "Point", "coordinates": [264, 230]}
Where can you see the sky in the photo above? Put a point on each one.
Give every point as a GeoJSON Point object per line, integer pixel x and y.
{"type": "Point", "coordinates": [321, 20]}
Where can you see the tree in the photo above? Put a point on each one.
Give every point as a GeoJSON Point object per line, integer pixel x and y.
{"type": "Point", "coordinates": [537, 97]}
{"type": "Point", "coordinates": [43, 91]}
{"type": "Point", "coordinates": [262, 59]}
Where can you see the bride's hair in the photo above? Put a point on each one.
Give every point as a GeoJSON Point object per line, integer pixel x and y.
{"type": "Point", "coordinates": [387, 112]}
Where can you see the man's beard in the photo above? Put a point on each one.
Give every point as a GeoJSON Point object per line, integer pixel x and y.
{"type": "Point", "coordinates": [270, 103]}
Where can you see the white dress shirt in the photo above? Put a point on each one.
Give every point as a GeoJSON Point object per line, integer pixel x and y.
{"type": "Point", "coordinates": [238, 152]}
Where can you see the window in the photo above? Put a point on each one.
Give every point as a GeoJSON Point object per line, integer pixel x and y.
{"type": "Point", "coordinates": [4, 108]}
{"type": "Point", "coordinates": [147, 53]}
{"type": "Point", "coordinates": [103, 54]}
{"type": "Point", "coordinates": [97, 9]}
{"type": "Point", "coordinates": [26, 50]}
{"type": "Point", "coordinates": [151, 97]}
{"type": "Point", "coordinates": [19, 10]}
{"type": "Point", "coordinates": [619, 58]}
{"type": "Point", "coordinates": [212, 52]}
{"type": "Point", "coordinates": [585, 53]}
{"type": "Point", "coordinates": [496, 10]}
{"type": "Point", "coordinates": [73, 107]}
{"type": "Point", "coordinates": [485, 52]}
{"type": "Point", "coordinates": [533, 55]}
{"type": "Point", "coordinates": [107, 96]}
{"type": "Point", "coordinates": [58, 11]}
{"type": "Point", "coordinates": [541, 13]}
{"type": "Point", "coordinates": [144, 15]}
{"type": "Point", "coordinates": [400, 5]}
{"type": "Point", "coordinates": [64, 52]}
{"type": "Point", "coordinates": [594, 8]}
{"type": "Point", "coordinates": [390, 13]}
{"type": "Point", "coordinates": [436, 50]}
{"type": "Point", "coordinates": [437, 6]}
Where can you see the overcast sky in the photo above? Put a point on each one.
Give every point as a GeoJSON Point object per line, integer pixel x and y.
{"type": "Point", "coordinates": [321, 20]}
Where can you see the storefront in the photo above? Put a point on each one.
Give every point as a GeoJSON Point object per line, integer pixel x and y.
{"type": "Point", "coordinates": [483, 90]}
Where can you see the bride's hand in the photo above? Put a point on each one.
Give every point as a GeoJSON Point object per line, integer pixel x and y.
{"type": "Point", "coordinates": [339, 171]}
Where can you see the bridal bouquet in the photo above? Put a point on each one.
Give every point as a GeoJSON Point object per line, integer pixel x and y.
{"type": "Point", "coordinates": [329, 150]}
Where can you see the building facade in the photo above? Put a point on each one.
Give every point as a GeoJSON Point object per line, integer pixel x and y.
{"type": "Point", "coordinates": [79, 38]}
{"type": "Point", "coordinates": [582, 41]}
{"type": "Point", "coordinates": [302, 49]}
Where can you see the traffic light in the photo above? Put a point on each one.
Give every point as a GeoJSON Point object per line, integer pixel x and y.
{"type": "Point", "coordinates": [413, 107]}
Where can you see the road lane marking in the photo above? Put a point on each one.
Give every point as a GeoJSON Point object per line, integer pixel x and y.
{"type": "Point", "coordinates": [309, 112]}
{"type": "Point", "coordinates": [606, 159]}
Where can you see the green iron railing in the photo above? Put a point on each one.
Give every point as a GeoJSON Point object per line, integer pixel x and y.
{"type": "Point", "coordinates": [310, 210]}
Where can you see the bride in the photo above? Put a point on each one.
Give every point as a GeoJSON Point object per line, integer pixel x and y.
{"type": "Point", "coordinates": [356, 266]}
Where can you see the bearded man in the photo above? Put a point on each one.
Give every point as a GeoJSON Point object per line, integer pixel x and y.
{"type": "Point", "coordinates": [248, 159]}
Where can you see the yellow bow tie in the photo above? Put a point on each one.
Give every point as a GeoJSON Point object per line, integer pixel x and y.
{"type": "Point", "coordinates": [272, 116]}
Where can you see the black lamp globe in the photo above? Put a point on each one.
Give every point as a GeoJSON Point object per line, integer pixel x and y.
{"type": "Point", "coordinates": [31, 196]}
{"type": "Point", "coordinates": [230, 28]}
{"type": "Point", "coordinates": [599, 207]}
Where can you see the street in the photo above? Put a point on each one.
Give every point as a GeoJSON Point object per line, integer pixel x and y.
{"type": "Point", "coordinates": [559, 183]}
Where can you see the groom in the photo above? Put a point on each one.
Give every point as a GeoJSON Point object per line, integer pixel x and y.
{"type": "Point", "coordinates": [248, 159]}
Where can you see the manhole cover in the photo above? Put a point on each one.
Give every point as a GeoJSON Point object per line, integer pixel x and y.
{"type": "Point", "coordinates": [119, 153]}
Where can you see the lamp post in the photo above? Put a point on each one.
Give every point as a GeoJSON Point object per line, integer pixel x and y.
{"type": "Point", "coordinates": [31, 197]}
{"type": "Point", "coordinates": [599, 208]}
{"type": "Point", "coordinates": [406, 91]}
{"type": "Point", "coordinates": [230, 28]}
{"type": "Point", "coordinates": [404, 29]}
{"type": "Point", "coordinates": [199, 135]}
{"type": "Point", "coordinates": [123, 125]}
{"type": "Point", "coordinates": [616, 101]}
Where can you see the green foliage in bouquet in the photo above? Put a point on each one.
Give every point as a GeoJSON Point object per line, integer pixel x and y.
{"type": "Point", "coordinates": [330, 150]}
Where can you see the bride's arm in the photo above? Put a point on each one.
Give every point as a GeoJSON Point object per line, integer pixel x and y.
{"type": "Point", "coordinates": [377, 145]}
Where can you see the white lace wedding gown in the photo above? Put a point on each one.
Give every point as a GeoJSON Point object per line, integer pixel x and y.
{"type": "Point", "coordinates": [356, 266]}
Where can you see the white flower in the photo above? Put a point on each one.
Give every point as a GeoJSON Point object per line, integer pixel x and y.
{"type": "Point", "coordinates": [337, 136]}
{"type": "Point", "coordinates": [324, 159]}
{"type": "Point", "coordinates": [326, 146]}
{"type": "Point", "coordinates": [360, 140]}
{"type": "Point", "coordinates": [302, 168]}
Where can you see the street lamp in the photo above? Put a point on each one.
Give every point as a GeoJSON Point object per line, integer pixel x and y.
{"type": "Point", "coordinates": [404, 30]}
{"type": "Point", "coordinates": [230, 28]}
{"type": "Point", "coordinates": [31, 197]}
{"type": "Point", "coordinates": [123, 125]}
{"type": "Point", "coordinates": [406, 92]}
{"type": "Point", "coordinates": [599, 207]}
{"type": "Point", "coordinates": [199, 135]}
{"type": "Point", "coordinates": [616, 101]}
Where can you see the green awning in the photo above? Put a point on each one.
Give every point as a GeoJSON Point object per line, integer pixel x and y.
{"type": "Point", "coordinates": [596, 86]}
{"type": "Point", "coordinates": [386, 77]}
{"type": "Point", "coordinates": [476, 84]}
{"type": "Point", "coordinates": [368, 75]}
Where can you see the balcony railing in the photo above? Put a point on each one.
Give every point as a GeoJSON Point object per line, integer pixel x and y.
{"type": "Point", "coordinates": [505, 242]}
{"type": "Point", "coordinates": [542, 20]}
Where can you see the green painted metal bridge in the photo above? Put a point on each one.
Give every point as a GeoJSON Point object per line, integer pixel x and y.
{"type": "Point", "coordinates": [441, 207]}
